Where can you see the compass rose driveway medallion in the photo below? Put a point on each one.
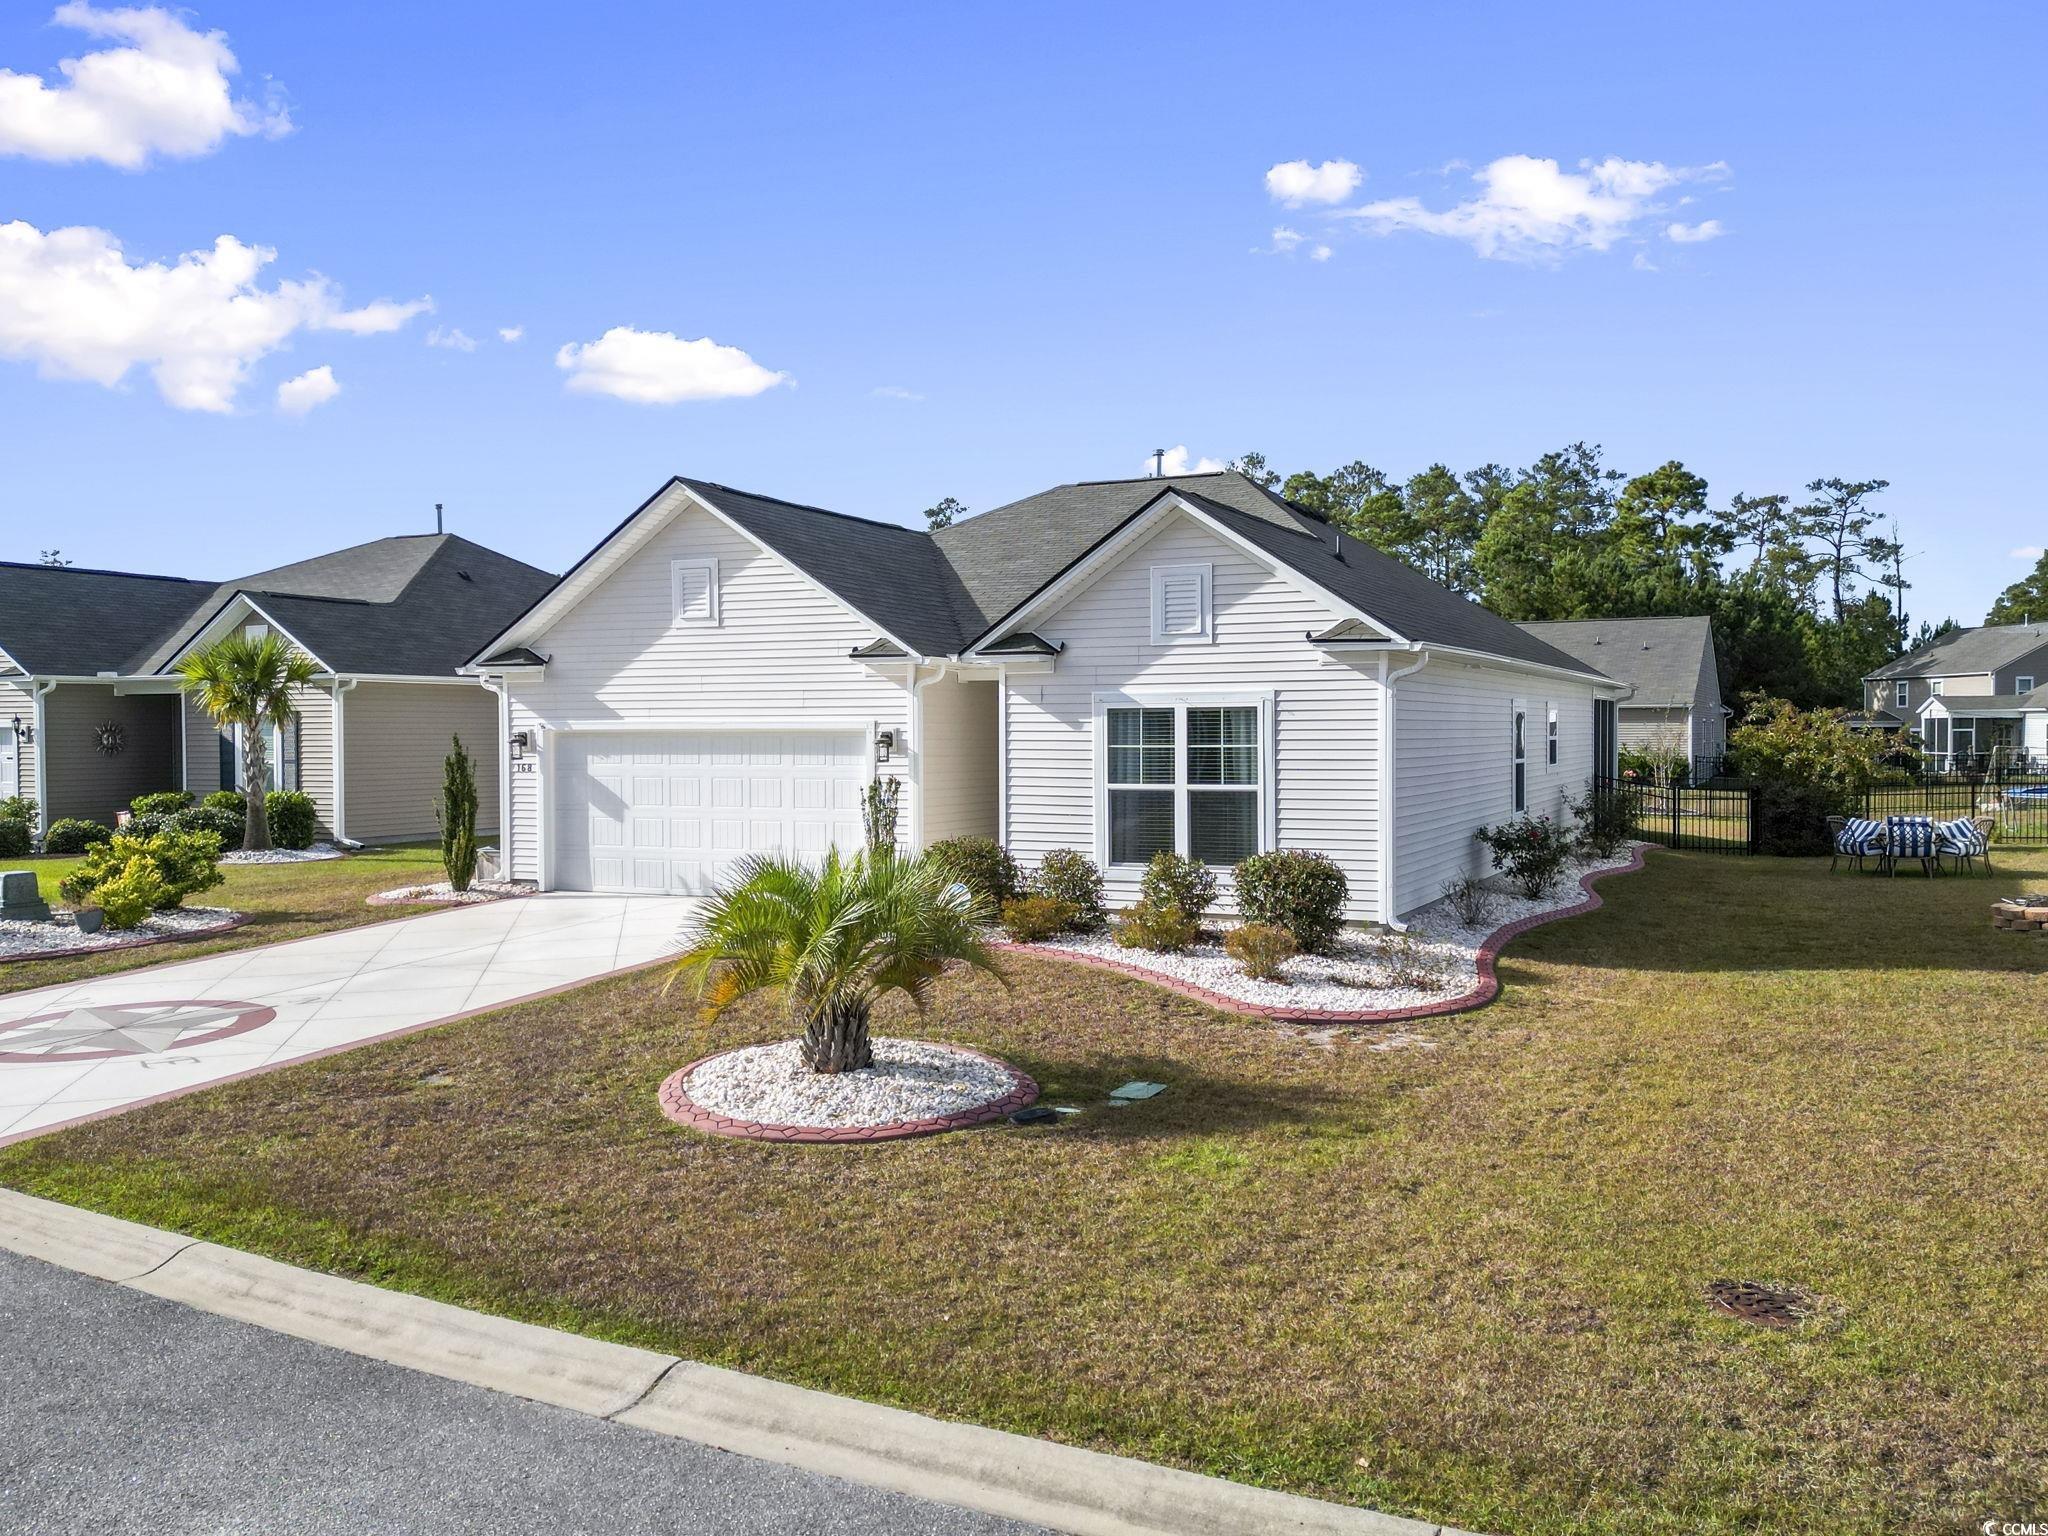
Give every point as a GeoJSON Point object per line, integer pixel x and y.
{"type": "Point", "coordinates": [107, 1030]}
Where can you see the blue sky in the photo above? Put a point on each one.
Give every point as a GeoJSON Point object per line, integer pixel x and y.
{"type": "Point", "coordinates": [992, 252]}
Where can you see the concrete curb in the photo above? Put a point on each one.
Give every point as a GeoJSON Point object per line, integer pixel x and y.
{"type": "Point", "coordinates": [1012, 1476]}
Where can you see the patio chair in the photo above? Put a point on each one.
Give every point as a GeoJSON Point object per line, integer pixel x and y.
{"type": "Point", "coordinates": [1966, 839]}
{"type": "Point", "coordinates": [1854, 839]}
{"type": "Point", "coordinates": [1910, 837]}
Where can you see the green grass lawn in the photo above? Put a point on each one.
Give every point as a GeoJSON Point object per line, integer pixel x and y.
{"type": "Point", "coordinates": [283, 901]}
{"type": "Point", "coordinates": [1463, 1281]}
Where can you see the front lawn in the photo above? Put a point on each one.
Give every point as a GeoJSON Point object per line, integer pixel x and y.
{"type": "Point", "coordinates": [1462, 1279]}
{"type": "Point", "coordinates": [283, 901]}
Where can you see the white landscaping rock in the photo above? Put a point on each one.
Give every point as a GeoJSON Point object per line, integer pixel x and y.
{"type": "Point", "coordinates": [910, 1080]}
{"type": "Point", "coordinates": [441, 893]}
{"type": "Point", "coordinates": [61, 932]}
{"type": "Point", "coordinates": [310, 855]}
{"type": "Point", "coordinates": [1437, 959]}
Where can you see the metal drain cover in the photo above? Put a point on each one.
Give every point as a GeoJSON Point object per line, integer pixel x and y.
{"type": "Point", "coordinates": [1774, 1306]}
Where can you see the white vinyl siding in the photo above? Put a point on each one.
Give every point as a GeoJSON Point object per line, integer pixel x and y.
{"type": "Point", "coordinates": [777, 660]}
{"type": "Point", "coordinates": [1325, 715]}
{"type": "Point", "coordinates": [1453, 768]}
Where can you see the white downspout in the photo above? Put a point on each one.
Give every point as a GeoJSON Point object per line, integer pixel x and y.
{"type": "Point", "coordinates": [339, 688]}
{"type": "Point", "coordinates": [1003, 756]}
{"type": "Point", "coordinates": [1388, 770]}
{"type": "Point", "coordinates": [42, 691]}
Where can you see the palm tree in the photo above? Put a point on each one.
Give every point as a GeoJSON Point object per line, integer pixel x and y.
{"type": "Point", "coordinates": [247, 684]}
{"type": "Point", "coordinates": [834, 939]}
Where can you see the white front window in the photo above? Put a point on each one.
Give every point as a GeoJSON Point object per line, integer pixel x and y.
{"type": "Point", "coordinates": [1902, 694]}
{"type": "Point", "coordinates": [1181, 603]}
{"type": "Point", "coordinates": [2023, 685]}
{"type": "Point", "coordinates": [1184, 777]}
{"type": "Point", "coordinates": [694, 587]}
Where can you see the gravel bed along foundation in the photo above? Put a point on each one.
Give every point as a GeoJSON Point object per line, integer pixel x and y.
{"type": "Point", "coordinates": [441, 893]}
{"type": "Point", "coordinates": [1437, 959]}
{"type": "Point", "coordinates": [61, 935]}
{"type": "Point", "coordinates": [910, 1080]}
{"type": "Point", "coordinates": [311, 855]}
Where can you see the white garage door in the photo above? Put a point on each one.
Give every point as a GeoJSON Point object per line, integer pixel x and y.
{"type": "Point", "coordinates": [670, 814]}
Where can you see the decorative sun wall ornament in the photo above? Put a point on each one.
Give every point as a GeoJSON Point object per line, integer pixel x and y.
{"type": "Point", "coordinates": [111, 737]}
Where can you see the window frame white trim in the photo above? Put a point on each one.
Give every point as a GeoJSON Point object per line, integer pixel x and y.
{"type": "Point", "coordinates": [1902, 694]}
{"type": "Point", "coordinates": [1934, 687]}
{"type": "Point", "coordinates": [1518, 756]}
{"type": "Point", "coordinates": [1204, 572]}
{"type": "Point", "coordinates": [708, 564]}
{"type": "Point", "coordinates": [1550, 733]}
{"type": "Point", "coordinates": [2023, 682]}
{"type": "Point", "coordinates": [1180, 701]}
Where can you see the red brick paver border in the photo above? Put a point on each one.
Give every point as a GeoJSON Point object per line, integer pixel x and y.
{"type": "Point", "coordinates": [234, 920]}
{"type": "Point", "coordinates": [677, 1104]}
{"type": "Point", "coordinates": [1484, 991]}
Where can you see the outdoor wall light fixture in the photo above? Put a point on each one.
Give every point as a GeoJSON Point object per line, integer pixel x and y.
{"type": "Point", "coordinates": [885, 743]}
{"type": "Point", "coordinates": [522, 743]}
{"type": "Point", "coordinates": [25, 734]}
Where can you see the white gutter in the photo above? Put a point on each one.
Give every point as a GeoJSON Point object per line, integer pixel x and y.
{"type": "Point", "coordinates": [42, 691]}
{"type": "Point", "coordinates": [338, 688]}
{"type": "Point", "coordinates": [1388, 768]}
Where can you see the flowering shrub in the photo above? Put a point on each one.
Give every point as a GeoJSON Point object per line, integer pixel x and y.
{"type": "Point", "coordinates": [1533, 850]}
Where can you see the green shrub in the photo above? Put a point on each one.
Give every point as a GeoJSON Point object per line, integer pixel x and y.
{"type": "Point", "coordinates": [223, 823]}
{"type": "Point", "coordinates": [1027, 919]}
{"type": "Point", "coordinates": [227, 800]}
{"type": "Point", "coordinates": [1533, 850]}
{"type": "Point", "coordinates": [185, 862]}
{"type": "Point", "coordinates": [132, 893]}
{"type": "Point", "coordinates": [1606, 818]}
{"type": "Point", "coordinates": [1261, 948]}
{"type": "Point", "coordinates": [74, 835]}
{"type": "Point", "coordinates": [1792, 819]}
{"type": "Point", "coordinates": [18, 808]}
{"type": "Point", "coordinates": [1173, 881]}
{"type": "Point", "coordinates": [981, 864]}
{"type": "Point", "coordinates": [1299, 891]}
{"type": "Point", "coordinates": [17, 838]}
{"type": "Point", "coordinates": [456, 816]}
{"type": "Point", "coordinates": [1165, 929]}
{"type": "Point", "coordinates": [291, 817]}
{"type": "Point", "coordinates": [1654, 765]}
{"type": "Point", "coordinates": [1070, 877]}
{"type": "Point", "coordinates": [163, 801]}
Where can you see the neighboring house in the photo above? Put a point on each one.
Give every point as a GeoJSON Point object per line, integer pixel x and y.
{"type": "Point", "coordinates": [1119, 667]}
{"type": "Point", "coordinates": [91, 714]}
{"type": "Point", "coordinates": [1675, 705]}
{"type": "Point", "coordinates": [1969, 694]}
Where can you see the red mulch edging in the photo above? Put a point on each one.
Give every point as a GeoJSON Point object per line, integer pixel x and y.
{"type": "Point", "coordinates": [147, 939]}
{"type": "Point", "coordinates": [679, 1107]}
{"type": "Point", "coordinates": [1484, 991]}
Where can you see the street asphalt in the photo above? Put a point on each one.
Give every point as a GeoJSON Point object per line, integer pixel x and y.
{"type": "Point", "coordinates": [127, 1413]}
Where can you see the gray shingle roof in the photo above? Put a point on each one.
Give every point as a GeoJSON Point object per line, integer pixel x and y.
{"type": "Point", "coordinates": [1666, 660]}
{"type": "Point", "coordinates": [1986, 648]}
{"type": "Point", "coordinates": [414, 606]}
{"type": "Point", "coordinates": [64, 621]}
{"type": "Point", "coordinates": [1968, 703]}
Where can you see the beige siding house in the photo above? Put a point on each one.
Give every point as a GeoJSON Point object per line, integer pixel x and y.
{"type": "Point", "coordinates": [91, 714]}
{"type": "Point", "coordinates": [1673, 708]}
{"type": "Point", "coordinates": [1973, 698]}
{"type": "Point", "coordinates": [1120, 667]}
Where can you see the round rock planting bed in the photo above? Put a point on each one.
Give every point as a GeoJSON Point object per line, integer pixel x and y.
{"type": "Point", "coordinates": [60, 938]}
{"type": "Point", "coordinates": [915, 1088]}
{"type": "Point", "coordinates": [442, 894]}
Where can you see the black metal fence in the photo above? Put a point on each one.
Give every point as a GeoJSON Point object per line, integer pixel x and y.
{"type": "Point", "coordinates": [1725, 816]}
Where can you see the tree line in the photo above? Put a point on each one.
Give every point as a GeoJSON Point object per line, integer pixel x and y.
{"type": "Point", "coordinates": [1807, 594]}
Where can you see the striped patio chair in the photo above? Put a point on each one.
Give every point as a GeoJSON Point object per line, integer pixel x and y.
{"type": "Point", "coordinates": [1855, 840]}
{"type": "Point", "coordinates": [1965, 840]}
{"type": "Point", "coordinates": [1910, 837]}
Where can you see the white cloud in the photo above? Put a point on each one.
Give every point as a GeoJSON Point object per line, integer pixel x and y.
{"type": "Point", "coordinates": [1320, 253]}
{"type": "Point", "coordinates": [1694, 234]}
{"type": "Point", "coordinates": [1642, 263]}
{"type": "Point", "coordinates": [511, 332]}
{"type": "Point", "coordinates": [1530, 210]}
{"type": "Point", "coordinates": [2028, 552]}
{"type": "Point", "coordinates": [1176, 463]}
{"type": "Point", "coordinates": [72, 304]}
{"type": "Point", "coordinates": [1285, 240]}
{"type": "Point", "coordinates": [162, 90]}
{"type": "Point", "coordinates": [314, 387]}
{"type": "Point", "coordinates": [894, 392]}
{"type": "Point", "coordinates": [1295, 182]}
{"type": "Point", "coordinates": [659, 368]}
{"type": "Point", "coordinates": [451, 337]}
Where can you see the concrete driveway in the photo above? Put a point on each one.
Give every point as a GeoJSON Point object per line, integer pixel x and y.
{"type": "Point", "coordinates": [88, 1048]}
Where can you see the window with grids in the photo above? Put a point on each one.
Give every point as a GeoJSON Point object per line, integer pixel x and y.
{"type": "Point", "coordinates": [1553, 739]}
{"type": "Point", "coordinates": [1521, 762]}
{"type": "Point", "coordinates": [1901, 694]}
{"type": "Point", "coordinates": [1183, 780]}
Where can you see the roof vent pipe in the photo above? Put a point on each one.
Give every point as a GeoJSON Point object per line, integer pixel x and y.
{"type": "Point", "coordinates": [437, 517]}
{"type": "Point", "coordinates": [1158, 463]}
{"type": "Point", "coordinates": [1336, 542]}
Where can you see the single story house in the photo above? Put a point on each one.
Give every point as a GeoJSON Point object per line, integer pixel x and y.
{"type": "Point", "coordinates": [91, 714]}
{"type": "Point", "coordinates": [1675, 707]}
{"type": "Point", "coordinates": [1118, 667]}
{"type": "Point", "coordinates": [1968, 694]}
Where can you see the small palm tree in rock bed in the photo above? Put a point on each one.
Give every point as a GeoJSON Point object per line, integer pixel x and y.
{"type": "Point", "coordinates": [248, 684]}
{"type": "Point", "coordinates": [834, 939]}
